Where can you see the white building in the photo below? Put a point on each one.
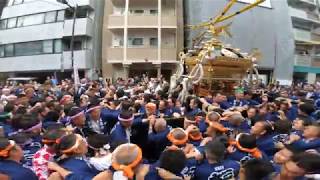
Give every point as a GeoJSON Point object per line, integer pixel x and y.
{"type": "Point", "coordinates": [35, 38]}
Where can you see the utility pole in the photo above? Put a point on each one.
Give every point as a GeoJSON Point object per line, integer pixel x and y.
{"type": "Point", "coordinates": [74, 67]}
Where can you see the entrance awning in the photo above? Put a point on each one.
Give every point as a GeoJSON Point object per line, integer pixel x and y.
{"type": "Point", "coordinates": [307, 69]}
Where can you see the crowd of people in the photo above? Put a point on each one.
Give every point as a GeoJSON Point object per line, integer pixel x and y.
{"type": "Point", "coordinates": [139, 128]}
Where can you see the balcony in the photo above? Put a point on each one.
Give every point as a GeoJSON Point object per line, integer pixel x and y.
{"type": "Point", "coordinates": [83, 59]}
{"type": "Point", "coordinates": [115, 55]}
{"type": "Point", "coordinates": [302, 60]}
{"type": "Point", "coordinates": [32, 33]}
{"type": "Point", "coordinates": [168, 55]}
{"type": "Point", "coordinates": [304, 16]}
{"type": "Point", "coordinates": [46, 62]}
{"type": "Point", "coordinates": [84, 26]}
{"type": "Point", "coordinates": [142, 54]}
{"type": "Point", "coordinates": [141, 21]}
{"type": "Point", "coordinates": [302, 35]}
{"type": "Point", "coordinates": [316, 62]}
{"type": "Point", "coordinates": [304, 3]}
{"type": "Point", "coordinates": [89, 3]}
{"type": "Point", "coordinates": [169, 21]}
{"type": "Point", "coordinates": [115, 21]}
{"type": "Point", "coordinates": [305, 36]}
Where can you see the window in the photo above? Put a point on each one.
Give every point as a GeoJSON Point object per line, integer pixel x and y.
{"type": "Point", "coordinates": [30, 20]}
{"type": "Point", "coordinates": [12, 23]}
{"type": "Point", "coordinates": [10, 2]}
{"type": "Point", "coordinates": [153, 41]}
{"type": "Point", "coordinates": [8, 50]}
{"type": "Point", "coordinates": [33, 19]}
{"type": "Point", "coordinates": [17, 2]}
{"type": "Point", "coordinates": [28, 48]}
{"type": "Point", "coordinates": [78, 44]}
{"type": "Point", "coordinates": [57, 46]}
{"type": "Point", "coordinates": [31, 48]}
{"type": "Point", "coordinates": [3, 24]}
{"type": "Point", "coordinates": [136, 41]}
{"type": "Point", "coordinates": [138, 11]}
{"type": "Point", "coordinates": [47, 46]}
{"type": "Point", "coordinates": [81, 13]}
{"type": "Point", "coordinates": [60, 16]}
{"type": "Point", "coordinates": [1, 51]}
{"type": "Point", "coordinates": [50, 17]}
{"type": "Point", "coordinates": [153, 11]}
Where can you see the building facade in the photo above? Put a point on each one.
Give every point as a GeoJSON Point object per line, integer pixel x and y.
{"type": "Point", "coordinates": [306, 30]}
{"type": "Point", "coordinates": [141, 36]}
{"type": "Point", "coordinates": [2, 4]}
{"type": "Point", "coordinates": [265, 28]}
{"type": "Point", "coordinates": [35, 38]}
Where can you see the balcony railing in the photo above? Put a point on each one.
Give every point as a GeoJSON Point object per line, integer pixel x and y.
{"type": "Point", "coordinates": [308, 1]}
{"type": "Point", "coordinates": [83, 26]}
{"type": "Point", "coordinates": [141, 55]}
{"type": "Point", "coordinates": [141, 21]}
{"type": "Point", "coordinates": [302, 60]}
{"type": "Point", "coordinates": [116, 21]}
{"type": "Point", "coordinates": [304, 15]}
{"type": "Point", "coordinates": [115, 54]}
{"type": "Point", "coordinates": [168, 54]}
{"type": "Point", "coordinates": [304, 35]}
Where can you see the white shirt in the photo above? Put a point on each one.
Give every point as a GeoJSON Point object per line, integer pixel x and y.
{"type": "Point", "coordinates": [96, 126]}
{"type": "Point", "coordinates": [101, 163]}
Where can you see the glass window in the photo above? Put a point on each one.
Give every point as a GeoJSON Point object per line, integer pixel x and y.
{"type": "Point", "coordinates": [3, 24]}
{"type": "Point", "coordinates": [139, 11]}
{"type": "Point", "coordinates": [48, 46]}
{"type": "Point", "coordinates": [153, 41]}
{"type": "Point", "coordinates": [31, 20]}
{"type": "Point", "coordinates": [12, 22]}
{"type": "Point", "coordinates": [1, 51]}
{"type": "Point", "coordinates": [17, 2]}
{"type": "Point", "coordinates": [82, 13]}
{"type": "Point", "coordinates": [28, 48]}
{"type": "Point", "coordinates": [50, 17]}
{"type": "Point", "coordinates": [57, 46]}
{"type": "Point", "coordinates": [77, 45]}
{"type": "Point", "coordinates": [153, 11]}
{"type": "Point", "coordinates": [20, 21]}
{"type": "Point", "coordinates": [8, 50]}
{"type": "Point", "coordinates": [60, 16]}
{"type": "Point", "coordinates": [137, 41]}
{"type": "Point", "coordinates": [10, 2]}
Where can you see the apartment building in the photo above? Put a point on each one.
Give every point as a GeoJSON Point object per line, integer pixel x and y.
{"type": "Point", "coordinates": [141, 36]}
{"type": "Point", "coordinates": [306, 30]}
{"type": "Point", "coordinates": [35, 38]}
{"type": "Point", "coordinates": [266, 27]}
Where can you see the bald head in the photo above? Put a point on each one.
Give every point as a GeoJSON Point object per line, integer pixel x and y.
{"type": "Point", "coordinates": [179, 134]}
{"type": "Point", "coordinates": [125, 154]}
{"type": "Point", "coordinates": [236, 119]}
{"type": "Point", "coordinates": [213, 117]}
